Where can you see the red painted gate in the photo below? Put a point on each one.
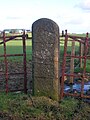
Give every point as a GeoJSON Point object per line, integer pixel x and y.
{"type": "Point", "coordinates": [81, 79]}
{"type": "Point", "coordinates": [4, 69]}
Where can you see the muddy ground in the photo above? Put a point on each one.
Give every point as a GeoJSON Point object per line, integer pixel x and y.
{"type": "Point", "coordinates": [15, 80]}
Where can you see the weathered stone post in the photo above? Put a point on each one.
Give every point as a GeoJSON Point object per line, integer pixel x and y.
{"type": "Point", "coordinates": [45, 57]}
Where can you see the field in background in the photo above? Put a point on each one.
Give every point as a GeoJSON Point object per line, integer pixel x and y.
{"type": "Point", "coordinates": [15, 47]}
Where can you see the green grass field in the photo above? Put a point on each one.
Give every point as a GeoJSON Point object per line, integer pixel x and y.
{"type": "Point", "coordinates": [16, 47]}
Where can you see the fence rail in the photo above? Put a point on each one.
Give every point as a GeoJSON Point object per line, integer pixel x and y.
{"type": "Point", "coordinates": [82, 57]}
{"type": "Point", "coordinates": [5, 56]}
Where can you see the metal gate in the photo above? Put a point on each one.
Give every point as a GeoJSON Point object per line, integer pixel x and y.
{"type": "Point", "coordinates": [5, 73]}
{"type": "Point", "coordinates": [81, 79]}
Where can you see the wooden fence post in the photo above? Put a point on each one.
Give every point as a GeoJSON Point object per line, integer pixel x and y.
{"type": "Point", "coordinates": [81, 54]}
{"type": "Point", "coordinates": [72, 61]}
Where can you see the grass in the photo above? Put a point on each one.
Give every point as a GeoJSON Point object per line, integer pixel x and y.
{"type": "Point", "coordinates": [81, 35]}
{"type": "Point", "coordinates": [16, 47]}
{"type": "Point", "coordinates": [78, 69]}
{"type": "Point", "coordinates": [24, 107]}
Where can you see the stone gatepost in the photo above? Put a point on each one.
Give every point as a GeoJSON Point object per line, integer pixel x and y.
{"type": "Point", "coordinates": [45, 58]}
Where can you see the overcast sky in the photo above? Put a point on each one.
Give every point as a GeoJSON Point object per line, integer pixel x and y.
{"type": "Point", "coordinates": [73, 15]}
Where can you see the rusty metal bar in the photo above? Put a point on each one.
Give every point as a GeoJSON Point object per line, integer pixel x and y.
{"type": "Point", "coordinates": [73, 75]}
{"type": "Point", "coordinates": [5, 55]}
{"type": "Point", "coordinates": [15, 36]}
{"type": "Point", "coordinates": [13, 90]}
{"type": "Point", "coordinates": [10, 55]}
{"type": "Point", "coordinates": [63, 66]}
{"type": "Point", "coordinates": [6, 63]}
{"type": "Point", "coordinates": [78, 37]}
{"type": "Point", "coordinates": [21, 73]}
{"type": "Point", "coordinates": [76, 95]}
{"type": "Point", "coordinates": [75, 56]}
{"type": "Point", "coordinates": [72, 94]}
{"type": "Point", "coordinates": [24, 62]}
{"type": "Point", "coordinates": [84, 68]}
{"type": "Point", "coordinates": [12, 37]}
{"type": "Point", "coordinates": [16, 90]}
{"type": "Point", "coordinates": [81, 56]}
{"type": "Point", "coordinates": [80, 41]}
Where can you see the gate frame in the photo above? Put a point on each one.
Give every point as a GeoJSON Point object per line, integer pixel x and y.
{"type": "Point", "coordinates": [5, 55]}
{"type": "Point", "coordinates": [85, 41]}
